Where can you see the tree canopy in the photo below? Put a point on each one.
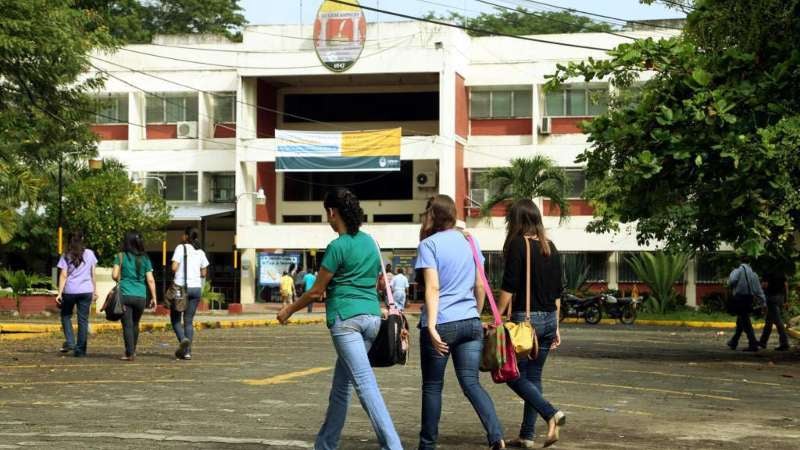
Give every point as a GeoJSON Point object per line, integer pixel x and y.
{"type": "Point", "coordinates": [522, 21]}
{"type": "Point", "coordinates": [136, 21]}
{"type": "Point", "coordinates": [706, 151]}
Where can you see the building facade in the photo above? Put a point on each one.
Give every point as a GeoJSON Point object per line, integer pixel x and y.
{"type": "Point", "coordinates": [200, 114]}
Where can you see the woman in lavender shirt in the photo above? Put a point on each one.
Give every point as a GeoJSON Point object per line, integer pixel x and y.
{"type": "Point", "coordinates": [76, 288]}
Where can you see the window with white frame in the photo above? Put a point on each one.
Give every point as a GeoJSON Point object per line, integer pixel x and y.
{"type": "Point", "coordinates": [500, 104]}
{"type": "Point", "coordinates": [576, 102]}
{"type": "Point", "coordinates": [225, 107]}
{"type": "Point", "coordinates": [111, 109]}
{"type": "Point", "coordinates": [171, 107]}
{"type": "Point", "coordinates": [576, 182]}
{"type": "Point", "coordinates": [223, 187]}
{"type": "Point", "coordinates": [180, 186]}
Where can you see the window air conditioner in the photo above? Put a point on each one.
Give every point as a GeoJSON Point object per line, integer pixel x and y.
{"type": "Point", "coordinates": [545, 126]}
{"type": "Point", "coordinates": [187, 130]}
{"type": "Point", "coordinates": [426, 179]}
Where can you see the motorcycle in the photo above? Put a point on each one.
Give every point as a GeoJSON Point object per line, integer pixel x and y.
{"type": "Point", "coordinates": [588, 308]}
{"type": "Point", "coordinates": [623, 308]}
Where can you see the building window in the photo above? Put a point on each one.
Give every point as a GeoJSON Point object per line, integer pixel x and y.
{"type": "Point", "coordinates": [112, 109]}
{"type": "Point", "coordinates": [302, 219]}
{"type": "Point", "coordinates": [181, 186]}
{"type": "Point", "coordinates": [576, 102]}
{"type": "Point", "coordinates": [500, 104]}
{"type": "Point", "coordinates": [225, 107]}
{"type": "Point", "coordinates": [714, 267]}
{"type": "Point", "coordinates": [597, 262]}
{"type": "Point", "coordinates": [312, 186]}
{"type": "Point", "coordinates": [223, 187]}
{"type": "Point", "coordinates": [626, 272]}
{"type": "Point", "coordinates": [171, 108]}
{"type": "Point", "coordinates": [576, 182]}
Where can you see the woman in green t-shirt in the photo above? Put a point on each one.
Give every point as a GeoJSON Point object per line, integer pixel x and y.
{"type": "Point", "coordinates": [132, 269]}
{"type": "Point", "coordinates": [348, 272]}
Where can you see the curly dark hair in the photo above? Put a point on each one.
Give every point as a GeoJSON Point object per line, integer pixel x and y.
{"type": "Point", "coordinates": [344, 201]}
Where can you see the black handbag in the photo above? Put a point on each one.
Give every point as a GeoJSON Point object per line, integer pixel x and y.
{"type": "Point", "coordinates": [113, 305]}
{"type": "Point", "coordinates": [391, 346]}
{"type": "Point", "coordinates": [177, 297]}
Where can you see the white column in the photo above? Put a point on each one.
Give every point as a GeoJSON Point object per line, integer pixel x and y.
{"type": "Point", "coordinates": [536, 115]}
{"type": "Point", "coordinates": [203, 187]}
{"type": "Point", "coordinates": [691, 283]}
{"type": "Point", "coordinates": [447, 129]}
{"type": "Point", "coordinates": [204, 124]}
{"type": "Point", "coordinates": [613, 270]}
{"type": "Point", "coordinates": [247, 285]}
{"type": "Point", "coordinates": [246, 113]}
{"type": "Point", "coordinates": [136, 114]}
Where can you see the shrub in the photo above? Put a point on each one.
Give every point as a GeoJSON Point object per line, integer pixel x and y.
{"type": "Point", "coordinates": [713, 303]}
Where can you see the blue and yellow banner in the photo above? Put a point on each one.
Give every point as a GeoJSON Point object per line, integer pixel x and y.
{"type": "Point", "coordinates": [338, 151]}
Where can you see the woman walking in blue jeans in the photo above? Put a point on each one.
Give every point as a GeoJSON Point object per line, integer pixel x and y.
{"type": "Point", "coordinates": [195, 272]}
{"type": "Point", "coordinates": [450, 321]}
{"type": "Point", "coordinates": [77, 289]}
{"type": "Point", "coordinates": [524, 223]}
{"type": "Point", "coordinates": [348, 272]}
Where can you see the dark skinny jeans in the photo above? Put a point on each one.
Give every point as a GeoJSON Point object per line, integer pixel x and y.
{"type": "Point", "coordinates": [465, 339]}
{"type": "Point", "coordinates": [134, 308]}
{"type": "Point", "coordinates": [183, 322]}
{"type": "Point", "coordinates": [774, 305]}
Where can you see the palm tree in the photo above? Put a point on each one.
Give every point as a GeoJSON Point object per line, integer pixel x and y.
{"type": "Point", "coordinates": [537, 176]}
{"type": "Point", "coordinates": [18, 186]}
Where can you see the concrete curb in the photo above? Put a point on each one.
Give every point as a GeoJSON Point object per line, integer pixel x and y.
{"type": "Point", "coordinates": [668, 323]}
{"type": "Point", "coordinates": [20, 331]}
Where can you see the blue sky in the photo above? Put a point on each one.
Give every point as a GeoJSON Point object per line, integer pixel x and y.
{"type": "Point", "coordinates": [288, 11]}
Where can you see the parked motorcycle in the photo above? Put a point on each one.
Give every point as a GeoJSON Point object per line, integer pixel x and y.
{"type": "Point", "coordinates": [623, 308]}
{"type": "Point", "coordinates": [588, 308]}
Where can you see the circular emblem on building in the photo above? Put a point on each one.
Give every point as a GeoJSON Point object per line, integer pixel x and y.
{"type": "Point", "coordinates": [382, 162]}
{"type": "Point", "coordinates": [339, 34]}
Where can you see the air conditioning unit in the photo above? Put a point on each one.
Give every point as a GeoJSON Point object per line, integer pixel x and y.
{"type": "Point", "coordinates": [479, 196]}
{"type": "Point", "coordinates": [545, 126]}
{"type": "Point", "coordinates": [426, 179]}
{"type": "Point", "coordinates": [187, 130]}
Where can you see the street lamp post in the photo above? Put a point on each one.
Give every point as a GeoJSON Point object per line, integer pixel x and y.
{"type": "Point", "coordinates": [163, 189]}
{"type": "Point", "coordinates": [259, 195]}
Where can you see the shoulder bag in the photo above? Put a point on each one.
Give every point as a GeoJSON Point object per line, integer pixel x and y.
{"type": "Point", "coordinates": [113, 304]}
{"type": "Point", "coordinates": [498, 355]}
{"type": "Point", "coordinates": [523, 334]}
{"type": "Point", "coordinates": [391, 346]}
{"type": "Point", "coordinates": [176, 297]}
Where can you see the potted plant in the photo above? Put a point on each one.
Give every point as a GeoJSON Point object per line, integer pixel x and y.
{"type": "Point", "coordinates": [27, 299]}
{"type": "Point", "coordinates": [208, 297]}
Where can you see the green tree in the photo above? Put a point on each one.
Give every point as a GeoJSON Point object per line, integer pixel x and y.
{"type": "Point", "coordinates": [525, 22]}
{"type": "Point", "coordinates": [532, 177]}
{"type": "Point", "coordinates": [707, 153]}
{"type": "Point", "coordinates": [106, 204]}
{"type": "Point", "coordinates": [136, 21]}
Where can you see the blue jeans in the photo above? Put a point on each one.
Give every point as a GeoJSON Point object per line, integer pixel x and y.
{"type": "Point", "coordinates": [352, 339]}
{"type": "Point", "coordinates": [465, 339]}
{"type": "Point", "coordinates": [185, 330]}
{"type": "Point", "coordinates": [83, 303]}
{"type": "Point", "coordinates": [529, 384]}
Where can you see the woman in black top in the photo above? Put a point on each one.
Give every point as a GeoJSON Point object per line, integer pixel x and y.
{"type": "Point", "coordinates": [776, 293]}
{"type": "Point", "coordinates": [524, 223]}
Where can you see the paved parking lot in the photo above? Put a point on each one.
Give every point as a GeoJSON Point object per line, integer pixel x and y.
{"type": "Point", "coordinates": [621, 387]}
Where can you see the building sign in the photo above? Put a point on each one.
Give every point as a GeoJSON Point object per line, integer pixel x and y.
{"type": "Point", "coordinates": [339, 34]}
{"type": "Point", "coordinates": [272, 265]}
{"type": "Point", "coordinates": [338, 151]}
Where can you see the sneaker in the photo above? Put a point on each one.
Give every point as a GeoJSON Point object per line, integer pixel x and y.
{"type": "Point", "coordinates": [731, 345]}
{"type": "Point", "coordinates": [65, 348]}
{"type": "Point", "coordinates": [520, 443]}
{"type": "Point", "coordinates": [187, 356]}
{"type": "Point", "coordinates": [183, 348]}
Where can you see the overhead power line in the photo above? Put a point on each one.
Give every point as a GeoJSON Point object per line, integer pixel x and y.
{"type": "Point", "coordinates": [471, 28]}
{"type": "Point", "coordinates": [600, 15]}
{"type": "Point", "coordinates": [546, 17]}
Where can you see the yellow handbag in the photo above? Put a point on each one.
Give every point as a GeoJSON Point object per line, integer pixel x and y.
{"type": "Point", "coordinates": [523, 334]}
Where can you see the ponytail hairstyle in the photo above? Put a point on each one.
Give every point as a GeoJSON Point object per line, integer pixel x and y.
{"type": "Point", "coordinates": [439, 215]}
{"type": "Point", "coordinates": [134, 244]}
{"type": "Point", "coordinates": [191, 236]}
{"type": "Point", "coordinates": [525, 219]}
{"type": "Point", "coordinates": [346, 203]}
{"type": "Point", "coordinates": [75, 249]}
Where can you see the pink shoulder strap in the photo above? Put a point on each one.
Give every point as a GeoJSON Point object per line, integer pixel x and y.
{"type": "Point", "coordinates": [482, 273]}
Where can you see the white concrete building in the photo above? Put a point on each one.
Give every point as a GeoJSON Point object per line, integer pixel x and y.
{"type": "Point", "coordinates": [201, 114]}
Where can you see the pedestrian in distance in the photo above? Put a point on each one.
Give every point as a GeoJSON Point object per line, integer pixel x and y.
{"type": "Point", "coordinates": [134, 272]}
{"type": "Point", "coordinates": [526, 237]}
{"type": "Point", "coordinates": [777, 294]}
{"type": "Point", "coordinates": [299, 284]}
{"type": "Point", "coordinates": [196, 271]}
{"type": "Point", "coordinates": [77, 289]}
{"type": "Point", "coordinates": [399, 286]}
{"type": "Point", "coordinates": [353, 315]}
{"type": "Point", "coordinates": [287, 288]}
{"type": "Point", "coordinates": [450, 321]}
{"type": "Point", "coordinates": [747, 292]}
{"type": "Point", "coordinates": [308, 281]}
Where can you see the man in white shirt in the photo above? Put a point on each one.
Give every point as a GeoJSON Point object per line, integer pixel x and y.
{"type": "Point", "coordinates": [399, 286]}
